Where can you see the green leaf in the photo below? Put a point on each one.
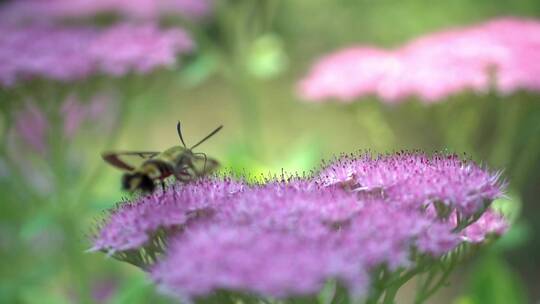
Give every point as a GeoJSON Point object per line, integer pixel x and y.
{"type": "Point", "coordinates": [517, 236]}
{"type": "Point", "coordinates": [199, 70]}
{"type": "Point", "coordinates": [493, 281]}
{"type": "Point", "coordinates": [267, 57]}
{"type": "Point", "coordinates": [326, 295]}
{"type": "Point", "coordinates": [36, 225]}
{"type": "Point", "coordinates": [510, 206]}
{"type": "Point", "coordinates": [138, 290]}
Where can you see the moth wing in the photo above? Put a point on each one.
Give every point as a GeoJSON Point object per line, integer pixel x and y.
{"type": "Point", "coordinates": [127, 160]}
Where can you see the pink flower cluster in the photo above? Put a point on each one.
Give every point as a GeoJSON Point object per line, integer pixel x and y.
{"type": "Point", "coordinates": [32, 127]}
{"type": "Point", "coordinates": [287, 238]}
{"type": "Point", "coordinates": [501, 54]}
{"type": "Point", "coordinates": [416, 179]}
{"type": "Point", "coordinates": [22, 10]}
{"type": "Point", "coordinates": [73, 53]}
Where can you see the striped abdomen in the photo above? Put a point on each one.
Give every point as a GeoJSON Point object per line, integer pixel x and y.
{"type": "Point", "coordinates": [157, 169]}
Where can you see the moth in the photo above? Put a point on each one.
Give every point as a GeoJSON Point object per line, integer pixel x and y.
{"type": "Point", "coordinates": [178, 161]}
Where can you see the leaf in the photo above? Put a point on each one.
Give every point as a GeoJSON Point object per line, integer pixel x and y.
{"type": "Point", "coordinates": [517, 236]}
{"type": "Point", "coordinates": [493, 281]}
{"type": "Point", "coordinates": [510, 206]}
{"type": "Point", "coordinates": [138, 290]}
{"type": "Point", "coordinates": [36, 225]}
{"type": "Point", "coordinates": [199, 70]}
{"type": "Point", "coordinates": [267, 57]}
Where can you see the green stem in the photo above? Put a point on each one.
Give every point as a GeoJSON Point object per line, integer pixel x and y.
{"type": "Point", "coordinates": [429, 291]}
{"type": "Point", "coordinates": [390, 294]}
{"type": "Point", "coordinates": [250, 114]}
{"type": "Point", "coordinates": [428, 287]}
{"type": "Point", "coordinates": [78, 271]}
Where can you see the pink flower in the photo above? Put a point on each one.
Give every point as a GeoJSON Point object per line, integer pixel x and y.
{"type": "Point", "coordinates": [348, 73]}
{"type": "Point", "coordinates": [286, 238]}
{"type": "Point", "coordinates": [438, 239]}
{"type": "Point", "coordinates": [416, 179]}
{"type": "Point", "coordinates": [24, 10]}
{"type": "Point", "coordinates": [490, 223]}
{"type": "Point", "coordinates": [266, 263]}
{"type": "Point", "coordinates": [125, 48]}
{"type": "Point", "coordinates": [74, 53]}
{"type": "Point", "coordinates": [434, 66]}
{"type": "Point", "coordinates": [31, 125]}
{"type": "Point", "coordinates": [44, 51]}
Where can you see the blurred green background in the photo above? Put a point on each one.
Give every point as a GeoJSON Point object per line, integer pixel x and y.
{"type": "Point", "coordinates": [249, 58]}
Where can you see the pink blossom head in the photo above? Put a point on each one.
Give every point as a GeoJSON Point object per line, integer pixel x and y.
{"type": "Point", "coordinates": [434, 66]}
{"type": "Point", "coordinates": [44, 51]}
{"type": "Point", "coordinates": [75, 53]}
{"type": "Point", "coordinates": [268, 263]}
{"type": "Point", "coordinates": [24, 10]}
{"type": "Point", "coordinates": [347, 74]}
{"type": "Point", "coordinates": [417, 180]}
{"type": "Point", "coordinates": [287, 238]}
{"type": "Point", "coordinates": [141, 49]}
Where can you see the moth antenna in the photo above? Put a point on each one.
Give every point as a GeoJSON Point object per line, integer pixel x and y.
{"type": "Point", "coordinates": [207, 137]}
{"type": "Point", "coordinates": [178, 129]}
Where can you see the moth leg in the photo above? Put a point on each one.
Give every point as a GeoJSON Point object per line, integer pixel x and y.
{"type": "Point", "coordinates": [162, 196]}
{"type": "Point", "coordinates": [205, 161]}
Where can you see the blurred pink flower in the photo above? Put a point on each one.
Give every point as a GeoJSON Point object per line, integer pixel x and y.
{"type": "Point", "coordinates": [139, 48]}
{"type": "Point", "coordinates": [100, 108]}
{"type": "Point", "coordinates": [44, 51]}
{"type": "Point", "coordinates": [74, 113]}
{"type": "Point", "coordinates": [24, 10]}
{"type": "Point", "coordinates": [344, 76]}
{"type": "Point", "coordinates": [104, 289]}
{"type": "Point", "coordinates": [31, 126]}
{"type": "Point", "coordinates": [73, 53]}
{"type": "Point", "coordinates": [503, 53]}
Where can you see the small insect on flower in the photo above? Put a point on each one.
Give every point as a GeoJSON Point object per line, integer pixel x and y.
{"type": "Point", "coordinates": [179, 161]}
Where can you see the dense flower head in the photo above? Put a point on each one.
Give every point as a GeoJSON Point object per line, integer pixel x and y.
{"type": "Point", "coordinates": [126, 48]}
{"type": "Point", "coordinates": [24, 10]}
{"type": "Point", "coordinates": [416, 179]}
{"type": "Point", "coordinates": [132, 224]}
{"type": "Point", "coordinates": [270, 263]}
{"type": "Point", "coordinates": [502, 53]}
{"type": "Point", "coordinates": [287, 237]}
{"type": "Point", "coordinates": [73, 53]}
{"type": "Point", "coordinates": [44, 51]}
